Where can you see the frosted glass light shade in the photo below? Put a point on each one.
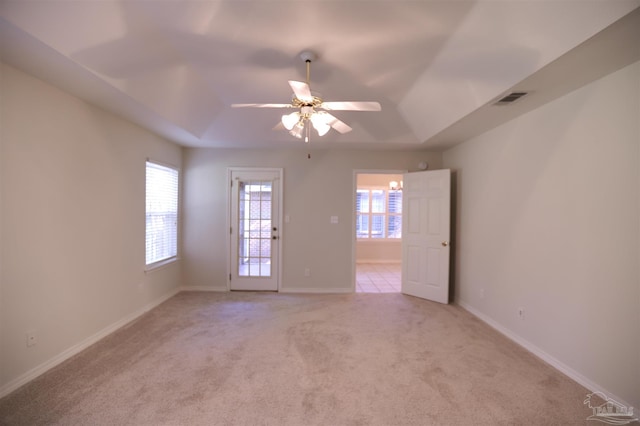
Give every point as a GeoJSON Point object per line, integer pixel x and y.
{"type": "Point", "coordinates": [320, 124]}
{"type": "Point", "coordinates": [290, 120]}
{"type": "Point", "coordinates": [297, 130]}
{"type": "Point", "coordinates": [321, 128]}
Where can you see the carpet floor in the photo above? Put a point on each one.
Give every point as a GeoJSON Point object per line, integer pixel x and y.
{"type": "Point", "coordinates": [244, 358]}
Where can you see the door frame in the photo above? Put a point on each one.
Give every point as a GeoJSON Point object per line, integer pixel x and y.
{"type": "Point", "coordinates": [280, 205]}
{"type": "Point", "coordinates": [354, 240]}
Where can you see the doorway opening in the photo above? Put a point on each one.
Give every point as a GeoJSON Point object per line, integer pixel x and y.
{"type": "Point", "coordinates": [378, 231]}
{"type": "Point", "coordinates": [378, 277]}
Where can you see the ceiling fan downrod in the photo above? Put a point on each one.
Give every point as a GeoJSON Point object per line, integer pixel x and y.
{"type": "Point", "coordinates": [307, 56]}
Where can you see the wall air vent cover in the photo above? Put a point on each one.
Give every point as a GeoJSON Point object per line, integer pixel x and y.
{"type": "Point", "coordinates": [510, 98]}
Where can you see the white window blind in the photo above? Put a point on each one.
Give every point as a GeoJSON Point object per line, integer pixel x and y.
{"type": "Point", "coordinates": [378, 213]}
{"type": "Point", "coordinates": [162, 213]}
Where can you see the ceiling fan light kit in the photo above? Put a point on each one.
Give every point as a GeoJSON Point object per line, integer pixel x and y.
{"type": "Point", "coordinates": [290, 120]}
{"type": "Point", "coordinates": [312, 109]}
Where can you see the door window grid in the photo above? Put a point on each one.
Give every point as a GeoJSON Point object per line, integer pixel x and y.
{"type": "Point", "coordinates": [255, 226]}
{"type": "Point", "coordinates": [378, 213]}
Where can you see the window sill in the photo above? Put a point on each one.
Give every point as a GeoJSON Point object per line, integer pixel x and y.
{"type": "Point", "coordinates": [160, 265]}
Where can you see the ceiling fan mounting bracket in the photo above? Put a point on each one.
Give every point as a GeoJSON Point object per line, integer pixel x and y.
{"type": "Point", "coordinates": [308, 56]}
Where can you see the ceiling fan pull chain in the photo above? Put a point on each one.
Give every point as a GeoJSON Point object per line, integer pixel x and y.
{"type": "Point", "coordinates": [308, 141]}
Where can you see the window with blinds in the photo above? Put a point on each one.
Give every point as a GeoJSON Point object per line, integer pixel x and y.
{"type": "Point", "coordinates": [378, 213]}
{"type": "Point", "coordinates": [161, 213]}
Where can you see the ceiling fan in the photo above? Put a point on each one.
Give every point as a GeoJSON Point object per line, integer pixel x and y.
{"type": "Point", "coordinates": [311, 109]}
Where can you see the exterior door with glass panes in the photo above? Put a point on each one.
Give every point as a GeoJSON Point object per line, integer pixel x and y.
{"type": "Point", "coordinates": [255, 229]}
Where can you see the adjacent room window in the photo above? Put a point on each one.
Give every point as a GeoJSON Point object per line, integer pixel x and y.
{"type": "Point", "coordinates": [162, 214]}
{"type": "Point", "coordinates": [378, 213]}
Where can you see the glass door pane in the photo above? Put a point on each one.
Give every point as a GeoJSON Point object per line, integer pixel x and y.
{"type": "Point", "coordinates": [255, 226]}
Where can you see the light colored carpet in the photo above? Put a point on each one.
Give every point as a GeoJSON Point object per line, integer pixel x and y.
{"type": "Point", "coordinates": [279, 359]}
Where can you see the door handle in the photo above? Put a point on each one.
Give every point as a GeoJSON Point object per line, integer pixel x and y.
{"type": "Point", "coordinates": [445, 243]}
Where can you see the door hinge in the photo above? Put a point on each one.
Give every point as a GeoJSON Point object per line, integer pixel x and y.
{"type": "Point", "coordinates": [231, 183]}
{"type": "Point", "coordinates": [231, 230]}
{"type": "Point", "coordinates": [229, 277]}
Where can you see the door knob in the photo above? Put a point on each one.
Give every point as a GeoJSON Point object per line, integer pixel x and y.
{"type": "Point", "coordinates": [445, 243]}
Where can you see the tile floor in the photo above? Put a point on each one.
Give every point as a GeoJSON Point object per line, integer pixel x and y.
{"type": "Point", "coordinates": [378, 277]}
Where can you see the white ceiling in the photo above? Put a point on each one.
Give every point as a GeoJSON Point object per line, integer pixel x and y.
{"type": "Point", "coordinates": [175, 67]}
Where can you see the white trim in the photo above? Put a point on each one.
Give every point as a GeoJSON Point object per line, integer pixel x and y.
{"type": "Point", "coordinates": [280, 171]}
{"type": "Point", "coordinates": [77, 348]}
{"type": "Point", "coordinates": [380, 261]}
{"type": "Point", "coordinates": [203, 288]}
{"type": "Point", "coordinates": [163, 164]}
{"type": "Point", "coordinates": [316, 290]}
{"type": "Point", "coordinates": [555, 363]}
{"type": "Point", "coordinates": [160, 264]}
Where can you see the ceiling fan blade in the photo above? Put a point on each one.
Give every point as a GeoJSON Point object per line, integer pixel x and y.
{"type": "Point", "coordinates": [301, 90]}
{"type": "Point", "coordinates": [338, 125]}
{"type": "Point", "coordinates": [351, 106]}
{"type": "Point", "coordinates": [279, 126]}
{"type": "Point", "coordinates": [260, 105]}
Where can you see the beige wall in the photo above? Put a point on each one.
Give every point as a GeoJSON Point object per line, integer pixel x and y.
{"type": "Point", "coordinates": [547, 219]}
{"type": "Point", "coordinates": [72, 224]}
{"type": "Point", "coordinates": [372, 251]}
{"type": "Point", "coordinates": [314, 190]}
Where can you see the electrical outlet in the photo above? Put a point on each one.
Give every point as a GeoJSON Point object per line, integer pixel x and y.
{"type": "Point", "coordinates": [31, 338]}
{"type": "Point", "coordinates": [307, 272]}
{"type": "Point", "coordinates": [521, 313]}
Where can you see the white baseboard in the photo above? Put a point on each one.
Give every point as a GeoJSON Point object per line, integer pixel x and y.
{"type": "Point", "coordinates": [555, 363]}
{"type": "Point", "coordinates": [340, 290]}
{"type": "Point", "coordinates": [282, 290]}
{"type": "Point", "coordinates": [202, 288]}
{"type": "Point", "coordinates": [75, 349]}
{"type": "Point", "coordinates": [379, 261]}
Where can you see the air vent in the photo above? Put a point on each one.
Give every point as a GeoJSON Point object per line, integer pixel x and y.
{"type": "Point", "coordinates": [510, 98]}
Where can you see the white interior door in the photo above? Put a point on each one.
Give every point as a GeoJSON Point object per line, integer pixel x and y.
{"type": "Point", "coordinates": [425, 234]}
{"type": "Point", "coordinates": [255, 229]}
